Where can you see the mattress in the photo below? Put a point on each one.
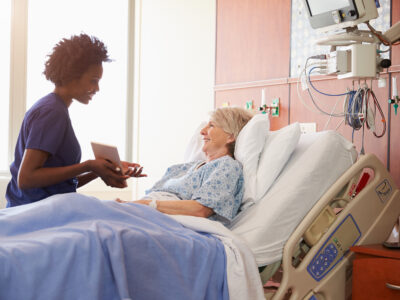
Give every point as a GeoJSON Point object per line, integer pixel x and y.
{"type": "Point", "coordinates": [317, 162]}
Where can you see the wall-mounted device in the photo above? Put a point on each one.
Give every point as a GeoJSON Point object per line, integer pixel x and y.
{"type": "Point", "coordinates": [361, 58]}
{"type": "Point", "coordinates": [336, 14]}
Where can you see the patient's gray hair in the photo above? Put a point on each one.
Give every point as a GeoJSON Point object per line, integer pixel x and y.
{"type": "Point", "coordinates": [231, 120]}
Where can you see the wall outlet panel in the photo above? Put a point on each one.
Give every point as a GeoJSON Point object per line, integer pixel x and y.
{"type": "Point", "coordinates": [308, 127]}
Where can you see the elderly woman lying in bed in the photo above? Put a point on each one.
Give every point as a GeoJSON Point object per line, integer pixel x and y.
{"type": "Point", "coordinates": [212, 188]}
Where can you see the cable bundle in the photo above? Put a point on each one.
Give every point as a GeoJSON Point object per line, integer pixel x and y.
{"type": "Point", "coordinates": [354, 110]}
{"type": "Point", "coordinates": [357, 109]}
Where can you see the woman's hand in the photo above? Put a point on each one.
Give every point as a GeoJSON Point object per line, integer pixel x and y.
{"type": "Point", "coordinates": [145, 202]}
{"type": "Point", "coordinates": [109, 173]}
{"type": "Point", "coordinates": [132, 169]}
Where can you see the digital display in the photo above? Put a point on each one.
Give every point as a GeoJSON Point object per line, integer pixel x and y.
{"type": "Point", "coordinates": [319, 7]}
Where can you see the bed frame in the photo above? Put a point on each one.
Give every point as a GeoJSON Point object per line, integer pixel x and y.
{"type": "Point", "coordinates": [324, 238]}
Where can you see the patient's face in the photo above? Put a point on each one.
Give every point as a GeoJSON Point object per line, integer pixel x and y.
{"type": "Point", "coordinates": [215, 139]}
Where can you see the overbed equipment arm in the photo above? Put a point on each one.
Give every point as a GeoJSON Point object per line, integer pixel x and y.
{"type": "Point", "coordinates": [367, 218]}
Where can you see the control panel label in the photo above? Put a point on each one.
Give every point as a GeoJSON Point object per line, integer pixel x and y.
{"type": "Point", "coordinates": [384, 190]}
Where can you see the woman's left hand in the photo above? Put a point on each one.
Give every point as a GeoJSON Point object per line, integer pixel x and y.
{"type": "Point", "coordinates": [132, 169]}
{"type": "Point", "coordinates": [146, 202]}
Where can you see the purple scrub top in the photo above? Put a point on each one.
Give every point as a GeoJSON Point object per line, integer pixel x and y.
{"type": "Point", "coordinates": [47, 127]}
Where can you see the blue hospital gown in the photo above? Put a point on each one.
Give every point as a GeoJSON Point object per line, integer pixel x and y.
{"type": "Point", "coordinates": [218, 185]}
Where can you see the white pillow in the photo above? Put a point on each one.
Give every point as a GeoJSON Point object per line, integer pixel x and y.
{"type": "Point", "coordinates": [193, 150]}
{"type": "Point", "coordinates": [279, 145]}
{"type": "Point", "coordinates": [249, 145]}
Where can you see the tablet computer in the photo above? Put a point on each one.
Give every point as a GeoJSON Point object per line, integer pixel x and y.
{"type": "Point", "coordinates": [108, 152]}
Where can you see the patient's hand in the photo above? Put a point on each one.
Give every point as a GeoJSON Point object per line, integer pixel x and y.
{"type": "Point", "coordinates": [122, 201]}
{"type": "Point", "coordinates": [146, 202]}
{"type": "Point", "coordinates": [132, 169]}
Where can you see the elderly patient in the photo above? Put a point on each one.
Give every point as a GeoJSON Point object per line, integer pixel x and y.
{"type": "Point", "coordinates": [212, 188]}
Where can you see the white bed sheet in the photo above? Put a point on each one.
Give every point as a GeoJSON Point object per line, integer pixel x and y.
{"type": "Point", "coordinates": [243, 278]}
{"type": "Point", "coordinates": [317, 162]}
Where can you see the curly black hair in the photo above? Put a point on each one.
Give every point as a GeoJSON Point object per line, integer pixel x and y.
{"type": "Point", "coordinates": [72, 57]}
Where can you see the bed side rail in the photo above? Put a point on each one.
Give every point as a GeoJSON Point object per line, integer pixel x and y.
{"type": "Point", "coordinates": [368, 218]}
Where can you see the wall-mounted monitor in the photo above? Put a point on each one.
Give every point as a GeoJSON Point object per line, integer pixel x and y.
{"type": "Point", "coordinates": [338, 14]}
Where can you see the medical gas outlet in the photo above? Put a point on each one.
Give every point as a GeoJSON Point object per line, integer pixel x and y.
{"type": "Point", "coordinates": [395, 97]}
{"type": "Point", "coordinates": [273, 109]}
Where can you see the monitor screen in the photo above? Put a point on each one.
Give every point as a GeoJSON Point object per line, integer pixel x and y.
{"type": "Point", "coordinates": [339, 14]}
{"type": "Point", "coordinates": [319, 7]}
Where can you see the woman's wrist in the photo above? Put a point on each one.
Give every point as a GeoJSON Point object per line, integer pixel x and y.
{"type": "Point", "coordinates": [87, 166]}
{"type": "Point", "coordinates": [153, 204]}
{"type": "Point", "coordinates": [86, 178]}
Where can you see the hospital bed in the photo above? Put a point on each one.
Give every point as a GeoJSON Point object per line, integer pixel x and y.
{"type": "Point", "coordinates": [293, 225]}
{"type": "Point", "coordinates": [320, 205]}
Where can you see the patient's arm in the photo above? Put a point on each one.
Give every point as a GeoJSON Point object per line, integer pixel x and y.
{"type": "Point", "coordinates": [178, 207]}
{"type": "Point", "coordinates": [184, 207]}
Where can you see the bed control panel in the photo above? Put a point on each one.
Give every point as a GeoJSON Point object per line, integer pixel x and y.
{"type": "Point", "coordinates": [335, 247]}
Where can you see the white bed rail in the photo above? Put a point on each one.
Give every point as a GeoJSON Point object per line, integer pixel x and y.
{"type": "Point", "coordinates": [373, 213]}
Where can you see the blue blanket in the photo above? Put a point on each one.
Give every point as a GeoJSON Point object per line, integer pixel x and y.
{"type": "Point", "coordinates": [72, 246]}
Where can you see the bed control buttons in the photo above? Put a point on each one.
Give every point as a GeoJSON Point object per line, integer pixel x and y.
{"type": "Point", "coordinates": [331, 250]}
{"type": "Point", "coordinates": [336, 246]}
{"type": "Point", "coordinates": [323, 261]}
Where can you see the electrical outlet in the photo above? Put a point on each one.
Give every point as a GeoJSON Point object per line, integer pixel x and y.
{"type": "Point", "coordinates": [381, 82]}
{"type": "Point", "coordinates": [308, 127]}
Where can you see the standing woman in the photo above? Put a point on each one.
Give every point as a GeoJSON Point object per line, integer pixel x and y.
{"type": "Point", "coordinates": [47, 155]}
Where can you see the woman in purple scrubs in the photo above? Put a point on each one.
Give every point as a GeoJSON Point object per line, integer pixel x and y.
{"type": "Point", "coordinates": [47, 154]}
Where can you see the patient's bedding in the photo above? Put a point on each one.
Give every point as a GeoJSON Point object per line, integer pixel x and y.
{"type": "Point", "coordinates": [72, 246]}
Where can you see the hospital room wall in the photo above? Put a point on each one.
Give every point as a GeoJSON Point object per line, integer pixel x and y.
{"type": "Point", "coordinates": [253, 44]}
{"type": "Point", "coordinates": [253, 52]}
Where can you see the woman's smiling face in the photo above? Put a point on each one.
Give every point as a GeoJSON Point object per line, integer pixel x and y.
{"type": "Point", "coordinates": [87, 85]}
{"type": "Point", "coordinates": [215, 140]}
